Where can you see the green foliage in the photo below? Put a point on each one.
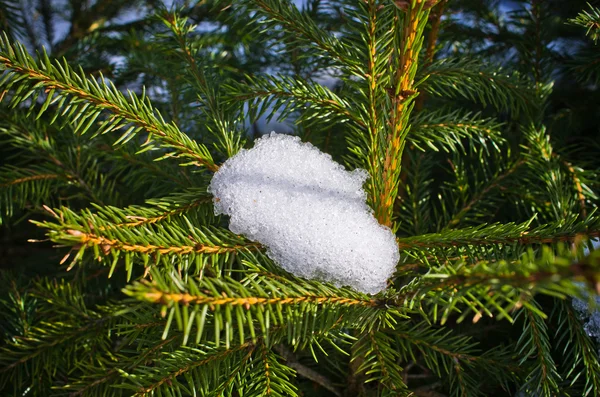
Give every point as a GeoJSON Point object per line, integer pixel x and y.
{"type": "Point", "coordinates": [589, 19]}
{"type": "Point", "coordinates": [109, 152]}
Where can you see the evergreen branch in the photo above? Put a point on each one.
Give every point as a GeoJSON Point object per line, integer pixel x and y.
{"type": "Point", "coordinates": [590, 20]}
{"type": "Point", "coordinates": [455, 356]}
{"type": "Point", "coordinates": [554, 182]}
{"type": "Point", "coordinates": [305, 371]}
{"type": "Point", "coordinates": [11, 18]}
{"type": "Point", "coordinates": [84, 385]}
{"type": "Point", "coordinates": [288, 95]}
{"type": "Point", "coordinates": [402, 104]}
{"type": "Point", "coordinates": [306, 308]}
{"type": "Point", "coordinates": [21, 186]}
{"type": "Point", "coordinates": [447, 130]}
{"type": "Point", "coordinates": [151, 240]}
{"type": "Point", "coordinates": [379, 360]}
{"type": "Point", "coordinates": [73, 91]}
{"type": "Point", "coordinates": [585, 65]}
{"type": "Point", "coordinates": [271, 378]}
{"type": "Point", "coordinates": [534, 343]}
{"type": "Point", "coordinates": [163, 209]}
{"type": "Point", "coordinates": [579, 349]}
{"type": "Point", "coordinates": [376, 30]}
{"type": "Point", "coordinates": [436, 21]}
{"type": "Point", "coordinates": [577, 182]}
{"type": "Point", "coordinates": [495, 286]}
{"type": "Point", "coordinates": [415, 209]}
{"type": "Point", "coordinates": [568, 230]}
{"type": "Point", "coordinates": [492, 184]}
{"type": "Point", "coordinates": [144, 168]}
{"type": "Point", "coordinates": [196, 359]}
{"type": "Point", "coordinates": [50, 344]}
{"type": "Point", "coordinates": [108, 244]}
{"type": "Point", "coordinates": [302, 29]}
{"type": "Point", "coordinates": [474, 81]}
{"type": "Point", "coordinates": [229, 138]}
{"type": "Point", "coordinates": [164, 298]}
{"type": "Point", "coordinates": [25, 179]}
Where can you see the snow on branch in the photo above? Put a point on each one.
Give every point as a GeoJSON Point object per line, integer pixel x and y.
{"type": "Point", "coordinates": [308, 211]}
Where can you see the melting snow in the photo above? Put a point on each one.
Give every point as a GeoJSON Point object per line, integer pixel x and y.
{"type": "Point", "coordinates": [308, 211]}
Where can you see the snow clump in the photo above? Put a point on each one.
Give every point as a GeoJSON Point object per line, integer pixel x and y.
{"type": "Point", "coordinates": [308, 211]}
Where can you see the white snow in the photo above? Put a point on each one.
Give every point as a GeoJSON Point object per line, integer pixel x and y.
{"type": "Point", "coordinates": [591, 317]}
{"type": "Point", "coordinates": [308, 211]}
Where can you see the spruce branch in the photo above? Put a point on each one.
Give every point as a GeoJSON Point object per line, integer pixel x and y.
{"type": "Point", "coordinates": [288, 95]}
{"type": "Point", "coordinates": [452, 131]}
{"type": "Point", "coordinates": [71, 91]}
{"type": "Point", "coordinates": [474, 81]}
{"type": "Point", "coordinates": [379, 361]}
{"type": "Point", "coordinates": [535, 344]}
{"type": "Point", "coordinates": [199, 368]}
{"type": "Point", "coordinates": [435, 18]}
{"type": "Point", "coordinates": [579, 349]}
{"type": "Point", "coordinates": [569, 230]}
{"type": "Point", "coordinates": [273, 377]}
{"type": "Point", "coordinates": [455, 356]}
{"type": "Point", "coordinates": [307, 309]}
{"type": "Point", "coordinates": [228, 137]}
{"type": "Point", "coordinates": [589, 19]}
{"type": "Point", "coordinates": [189, 244]}
{"type": "Point", "coordinates": [160, 210]}
{"type": "Point", "coordinates": [12, 20]}
{"type": "Point", "coordinates": [403, 95]}
{"type": "Point", "coordinates": [377, 41]}
{"type": "Point", "coordinates": [306, 372]}
{"type": "Point", "coordinates": [495, 287]}
{"type": "Point", "coordinates": [491, 185]}
{"type": "Point", "coordinates": [301, 29]}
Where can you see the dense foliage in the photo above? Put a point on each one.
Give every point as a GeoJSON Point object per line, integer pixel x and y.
{"type": "Point", "coordinates": [477, 122]}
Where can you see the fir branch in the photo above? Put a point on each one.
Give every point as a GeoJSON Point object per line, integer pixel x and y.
{"type": "Point", "coordinates": [301, 29]}
{"type": "Point", "coordinates": [305, 371]}
{"type": "Point", "coordinates": [162, 210]}
{"type": "Point", "coordinates": [494, 286]}
{"type": "Point", "coordinates": [474, 81]}
{"type": "Point", "coordinates": [148, 242]}
{"type": "Point", "coordinates": [273, 377]}
{"type": "Point", "coordinates": [203, 357]}
{"type": "Point", "coordinates": [492, 184]}
{"type": "Point", "coordinates": [20, 187]}
{"type": "Point", "coordinates": [90, 239]}
{"type": "Point", "coordinates": [164, 298]}
{"type": "Point", "coordinates": [568, 230]}
{"type": "Point", "coordinates": [534, 344]}
{"type": "Point", "coordinates": [450, 130]}
{"type": "Point", "coordinates": [11, 18]}
{"type": "Point", "coordinates": [72, 91]}
{"type": "Point", "coordinates": [379, 361]}
{"type": "Point", "coordinates": [25, 179]}
{"type": "Point", "coordinates": [308, 308]}
{"type": "Point", "coordinates": [579, 349]}
{"type": "Point", "coordinates": [455, 356]}
{"type": "Point", "coordinates": [589, 19]}
{"type": "Point", "coordinates": [228, 137]}
{"type": "Point", "coordinates": [288, 95]}
{"type": "Point", "coordinates": [402, 103]}
{"type": "Point", "coordinates": [435, 18]}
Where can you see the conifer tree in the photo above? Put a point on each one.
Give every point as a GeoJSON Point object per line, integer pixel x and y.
{"type": "Point", "coordinates": [134, 287]}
